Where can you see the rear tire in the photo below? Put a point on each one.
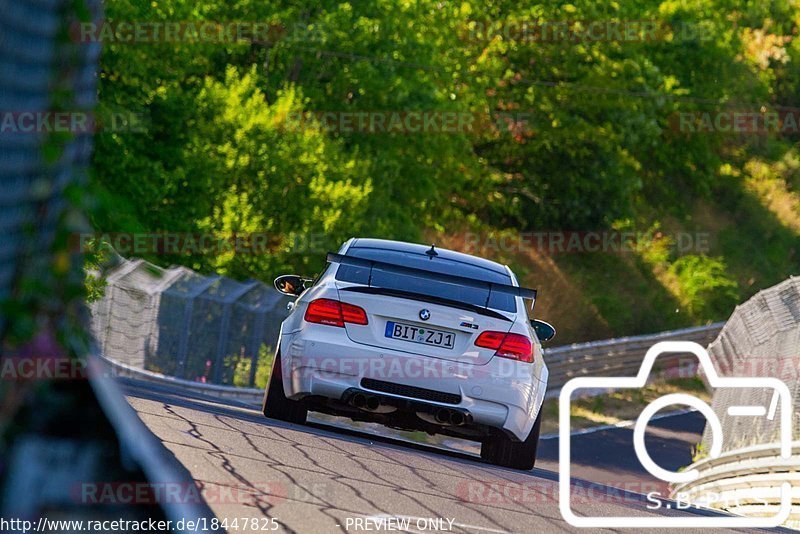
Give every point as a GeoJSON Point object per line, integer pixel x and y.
{"type": "Point", "coordinates": [276, 405]}
{"type": "Point", "coordinates": [500, 450]}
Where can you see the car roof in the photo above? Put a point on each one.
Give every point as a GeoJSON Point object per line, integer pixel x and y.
{"type": "Point", "coordinates": [414, 248]}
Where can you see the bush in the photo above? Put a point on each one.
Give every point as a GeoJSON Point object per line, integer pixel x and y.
{"type": "Point", "coordinates": [705, 287]}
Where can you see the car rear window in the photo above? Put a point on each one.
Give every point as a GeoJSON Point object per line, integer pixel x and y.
{"type": "Point", "coordinates": [429, 285]}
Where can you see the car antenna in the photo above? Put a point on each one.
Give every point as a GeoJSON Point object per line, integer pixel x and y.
{"type": "Point", "coordinates": [431, 252]}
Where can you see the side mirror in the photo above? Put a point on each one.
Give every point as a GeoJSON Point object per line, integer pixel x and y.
{"type": "Point", "coordinates": [290, 284]}
{"type": "Point", "coordinates": [544, 331]}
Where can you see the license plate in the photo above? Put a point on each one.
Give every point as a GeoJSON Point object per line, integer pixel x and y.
{"type": "Point", "coordinates": [423, 335]}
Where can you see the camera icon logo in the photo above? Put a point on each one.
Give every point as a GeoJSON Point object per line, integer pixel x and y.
{"type": "Point", "coordinates": [781, 400]}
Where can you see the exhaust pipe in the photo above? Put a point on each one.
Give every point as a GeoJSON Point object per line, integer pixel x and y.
{"type": "Point", "coordinates": [365, 402]}
{"type": "Point", "coordinates": [446, 416]}
{"type": "Point", "coordinates": [373, 403]}
{"type": "Point", "coordinates": [456, 418]}
{"type": "Point", "coordinates": [359, 400]}
{"type": "Point", "coordinates": [443, 416]}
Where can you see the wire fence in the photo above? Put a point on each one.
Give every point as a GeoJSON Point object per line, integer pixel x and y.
{"type": "Point", "coordinates": [761, 339]}
{"type": "Point", "coordinates": [208, 329]}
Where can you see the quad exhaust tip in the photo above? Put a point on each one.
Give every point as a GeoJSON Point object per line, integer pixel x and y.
{"type": "Point", "coordinates": [443, 416]}
{"type": "Point", "coordinates": [373, 403]}
{"type": "Point", "coordinates": [366, 402]}
{"type": "Point", "coordinates": [359, 400]}
{"type": "Point", "coordinates": [456, 418]}
{"type": "Point", "coordinates": [447, 416]}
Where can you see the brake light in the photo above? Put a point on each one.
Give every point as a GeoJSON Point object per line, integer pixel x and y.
{"type": "Point", "coordinates": [512, 346]}
{"type": "Point", "coordinates": [354, 314]}
{"type": "Point", "coordinates": [334, 313]}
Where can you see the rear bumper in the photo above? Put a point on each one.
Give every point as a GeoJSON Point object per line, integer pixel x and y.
{"type": "Point", "coordinates": [503, 394]}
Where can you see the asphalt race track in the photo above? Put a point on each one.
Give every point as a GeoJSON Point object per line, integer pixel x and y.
{"type": "Point", "coordinates": [315, 478]}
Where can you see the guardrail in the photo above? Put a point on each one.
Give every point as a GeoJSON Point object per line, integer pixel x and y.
{"type": "Point", "coordinates": [745, 481]}
{"type": "Point", "coordinates": [251, 396]}
{"type": "Point", "coordinates": [619, 356]}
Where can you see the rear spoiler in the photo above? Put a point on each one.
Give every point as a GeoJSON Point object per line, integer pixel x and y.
{"type": "Point", "coordinates": [523, 292]}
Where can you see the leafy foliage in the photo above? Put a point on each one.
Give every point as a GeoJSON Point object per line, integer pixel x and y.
{"type": "Point", "coordinates": [572, 133]}
{"type": "Point", "coordinates": [708, 290]}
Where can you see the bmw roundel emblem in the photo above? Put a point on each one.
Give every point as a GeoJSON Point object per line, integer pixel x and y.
{"type": "Point", "coordinates": [424, 314]}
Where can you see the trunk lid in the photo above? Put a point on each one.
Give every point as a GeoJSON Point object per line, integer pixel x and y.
{"type": "Point", "coordinates": [396, 323]}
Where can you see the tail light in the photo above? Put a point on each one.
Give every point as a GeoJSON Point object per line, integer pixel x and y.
{"type": "Point", "coordinates": [512, 346]}
{"type": "Point", "coordinates": [334, 313]}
